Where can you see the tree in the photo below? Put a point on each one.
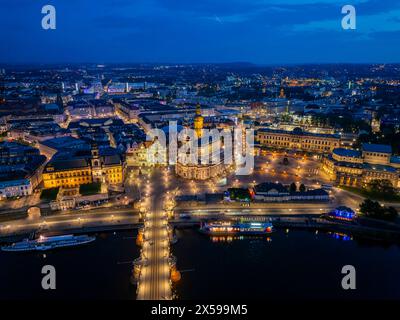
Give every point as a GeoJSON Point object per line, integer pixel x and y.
{"type": "Point", "coordinates": [285, 161]}
{"type": "Point", "coordinates": [302, 188]}
{"type": "Point", "coordinates": [381, 186]}
{"type": "Point", "coordinates": [372, 209]}
{"type": "Point", "coordinates": [369, 207]}
{"type": "Point", "coordinates": [293, 187]}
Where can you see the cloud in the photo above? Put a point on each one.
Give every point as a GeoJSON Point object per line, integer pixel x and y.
{"type": "Point", "coordinates": [366, 24]}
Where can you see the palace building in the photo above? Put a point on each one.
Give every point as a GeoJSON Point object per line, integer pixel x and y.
{"type": "Point", "coordinates": [357, 168]}
{"type": "Point", "coordinates": [73, 169]}
{"type": "Point", "coordinates": [297, 139]}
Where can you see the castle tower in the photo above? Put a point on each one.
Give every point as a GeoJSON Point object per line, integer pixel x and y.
{"type": "Point", "coordinates": [198, 121]}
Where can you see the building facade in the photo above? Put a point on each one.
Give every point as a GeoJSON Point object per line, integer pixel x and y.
{"type": "Point", "coordinates": [297, 140]}
{"type": "Point", "coordinates": [70, 172]}
{"type": "Point", "coordinates": [357, 168]}
{"type": "Point", "coordinates": [21, 169]}
{"type": "Point", "coordinates": [276, 192]}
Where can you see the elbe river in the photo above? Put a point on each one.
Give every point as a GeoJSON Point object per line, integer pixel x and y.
{"type": "Point", "coordinates": [287, 265]}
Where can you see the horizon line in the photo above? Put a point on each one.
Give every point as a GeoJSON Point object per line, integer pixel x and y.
{"type": "Point", "coordinates": [192, 63]}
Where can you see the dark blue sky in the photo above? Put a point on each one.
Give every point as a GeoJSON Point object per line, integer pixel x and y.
{"type": "Point", "coordinates": [259, 31]}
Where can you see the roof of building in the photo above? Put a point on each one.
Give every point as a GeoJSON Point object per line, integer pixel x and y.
{"type": "Point", "coordinates": [298, 131]}
{"type": "Point", "coordinates": [112, 160]}
{"type": "Point", "coordinates": [68, 164]}
{"type": "Point", "coordinates": [311, 192]}
{"type": "Point", "coordinates": [395, 159]}
{"type": "Point", "coordinates": [379, 167]}
{"type": "Point", "coordinates": [11, 148]}
{"type": "Point", "coordinates": [24, 169]}
{"type": "Point", "coordinates": [345, 163]}
{"type": "Point", "coordinates": [12, 181]}
{"type": "Point", "coordinates": [380, 148]}
{"type": "Point", "coordinates": [98, 122]}
{"type": "Point", "coordinates": [267, 186]}
{"type": "Point", "coordinates": [347, 152]}
{"type": "Point", "coordinates": [66, 142]}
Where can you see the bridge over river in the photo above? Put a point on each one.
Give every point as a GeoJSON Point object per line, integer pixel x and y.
{"type": "Point", "coordinates": [156, 261]}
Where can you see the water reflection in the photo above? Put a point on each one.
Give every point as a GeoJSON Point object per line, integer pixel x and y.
{"type": "Point", "coordinates": [341, 236]}
{"type": "Point", "coordinates": [235, 238]}
{"type": "Point", "coordinates": [335, 235]}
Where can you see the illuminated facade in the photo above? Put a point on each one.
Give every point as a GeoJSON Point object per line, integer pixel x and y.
{"type": "Point", "coordinates": [199, 170]}
{"type": "Point", "coordinates": [353, 168]}
{"type": "Point", "coordinates": [297, 140]}
{"type": "Point", "coordinates": [146, 154]}
{"type": "Point", "coordinates": [74, 171]}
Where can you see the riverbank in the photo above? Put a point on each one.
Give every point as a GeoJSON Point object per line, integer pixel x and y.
{"type": "Point", "coordinates": [368, 228]}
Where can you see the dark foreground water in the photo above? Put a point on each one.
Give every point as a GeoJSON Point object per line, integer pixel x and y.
{"type": "Point", "coordinates": [296, 265]}
{"type": "Point", "coordinates": [98, 270]}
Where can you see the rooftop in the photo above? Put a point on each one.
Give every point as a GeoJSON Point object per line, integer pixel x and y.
{"type": "Point", "coordinates": [378, 167]}
{"type": "Point", "coordinates": [395, 159]}
{"type": "Point", "coordinates": [380, 148]}
{"type": "Point", "coordinates": [66, 142]}
{"type": "Point", "coordinates": [268, 186]}
{"type": "Point", "coordinates": [298, 131]}
{"type": "Point", "coordinates": [347, 152]}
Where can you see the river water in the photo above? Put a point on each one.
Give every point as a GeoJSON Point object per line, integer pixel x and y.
{"type": "Point", "coordinates": [293, 265]}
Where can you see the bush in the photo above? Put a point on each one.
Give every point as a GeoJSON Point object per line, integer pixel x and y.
{"type": "Point", "coordinates": [90, 188]}
{"type": "Point", "coordinates": [239, 194]}
{"type": "Point", "coordinates": [49, 194]}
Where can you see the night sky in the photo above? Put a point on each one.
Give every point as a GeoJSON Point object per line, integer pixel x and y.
{"type": "Point", "coordinates": [185, 31]}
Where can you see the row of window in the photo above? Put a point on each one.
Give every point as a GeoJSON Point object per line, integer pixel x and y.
{"type": "Point", "coordinates": [77, 180]}
{"type": "Point", "coordinates": [269, 139]}
{"type": "Point", "coordinates": [70, 174]}
{"type": "Point", "coordinates": [374, 154]}
{"type": "Point", "coordinates": [325, 146]}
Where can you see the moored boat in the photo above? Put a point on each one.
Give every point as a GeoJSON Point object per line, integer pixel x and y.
{"type": "Point", "coordinates": [232, 228]}
{"type": "Point", "coordinates": [47, 243]}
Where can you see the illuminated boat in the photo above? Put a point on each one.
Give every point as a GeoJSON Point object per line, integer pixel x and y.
{"type": "Point", "coordinates": [48, 243]}
{"type": "Point", "coordinates": [231, 228]}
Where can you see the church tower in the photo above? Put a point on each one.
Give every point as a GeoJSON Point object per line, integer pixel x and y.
{"type": "Point", "coordinates": [198, 121]}
{"type": "Point", "coordinates": [96, 163]}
